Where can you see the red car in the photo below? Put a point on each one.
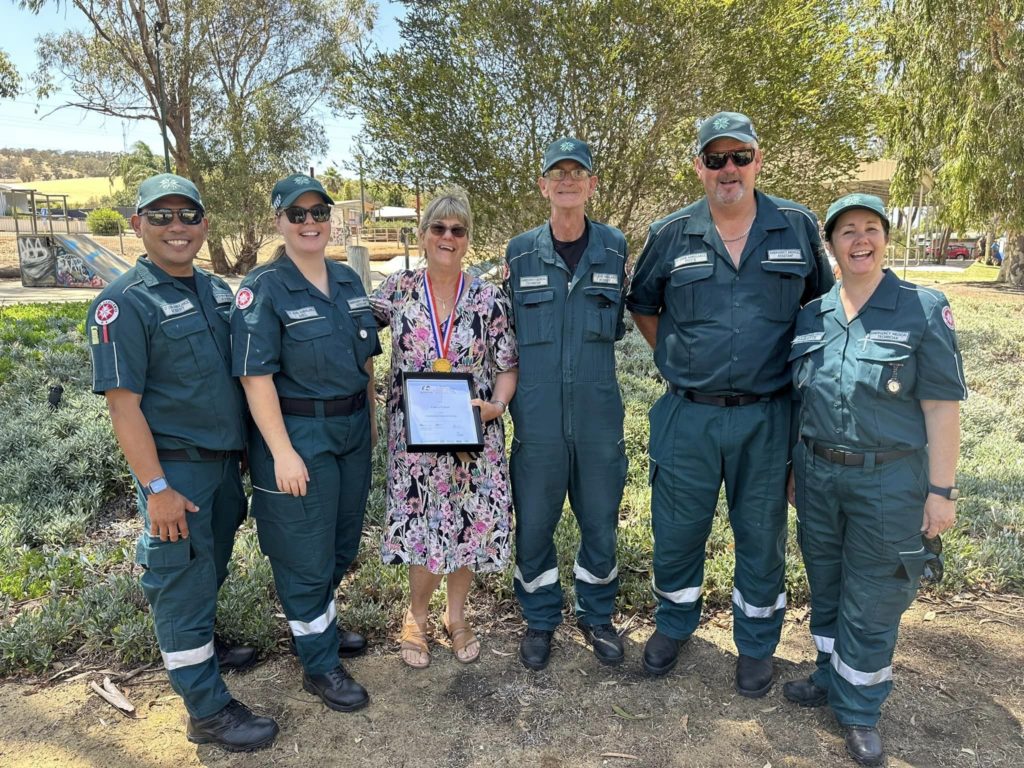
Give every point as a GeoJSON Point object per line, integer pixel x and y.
{"type": "Point", "coordinates": [954, 251]}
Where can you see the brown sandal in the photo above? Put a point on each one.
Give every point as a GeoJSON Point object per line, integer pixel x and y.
{"type": "Point", "coordinates": [462, 637]}
{"type": "Point", "coordinates": [414, 638]}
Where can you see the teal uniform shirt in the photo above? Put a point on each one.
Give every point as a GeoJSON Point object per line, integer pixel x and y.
{"type": "Point", "coordinates": [723, 330]}
{"type": "Point", "coordinates": [861, 381]}
{"type": "Point", "coordinates": [315, 346]}
{"type": "Point", "coordinates": [151, 335]}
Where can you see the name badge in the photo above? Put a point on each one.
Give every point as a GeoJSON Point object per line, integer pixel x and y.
{"type": "Point", "coordinates": [690, 258]}
{"type": "Point", "coordinates": [177, 308]}
{"type": "Point", "coordinates": [889, 336]}
{"type": "Point", "coordinates": [302, 313]}
{"type": "Point", "coordinates": [603, 279]}
{"type": "Point", "coordinates": [222, 297]}
{"type": "Point", "coordinates": [359, 302]}
{"type": "Point", "coordinates": [535, 281]}
{"type": "Point", "coordinates": [805, 338]}
{"type": "Point", "coordinates": [785, 254]}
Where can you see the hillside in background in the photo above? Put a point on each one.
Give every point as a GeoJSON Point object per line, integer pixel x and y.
{"type": "Point", "coordinates": [30, 165]}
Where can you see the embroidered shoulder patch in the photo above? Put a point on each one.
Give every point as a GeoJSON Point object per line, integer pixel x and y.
{"type": "Point", "coordinates": [244, 298]}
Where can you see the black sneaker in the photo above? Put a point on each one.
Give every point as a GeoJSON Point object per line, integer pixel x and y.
{"type": "Point", "coordinates": [535, 648]}
{"type": "Point", "coordinates": [234, 728]}
{"type": "Point", "coordinates": [753, 676]}
{"type": "Point", "coordinates": [661, 653]}
{"type": "Point", "coordinates": [337, 690]}
{"type": "Point", "coordinates": [806, 693]}
{"type": "Point", "coordinates": [236, 658]}
{"type": "Point", "coordinates": [606, 642]}
{"type": "Point", "coordinates": [864, 743]}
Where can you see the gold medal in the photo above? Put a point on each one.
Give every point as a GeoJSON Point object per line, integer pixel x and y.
{"type": "Point", "coordinates": [893, 386]}
{"type": "Point", "coordinates": [442, 365]}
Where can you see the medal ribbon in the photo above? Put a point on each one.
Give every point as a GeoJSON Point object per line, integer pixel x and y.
{"type": "Point", "coordinates": [441, 341]}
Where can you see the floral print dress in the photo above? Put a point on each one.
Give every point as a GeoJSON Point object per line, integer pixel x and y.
{"type": "Point", "coordinates": [443, 513]}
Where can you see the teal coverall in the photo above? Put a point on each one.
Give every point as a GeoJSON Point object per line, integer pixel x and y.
{"type": "Point", "coordinates": [722, 344]}
{"type": "Point", "coordinates": [568, 416]}
{"type": "Point", "coordinates": [860, 383]}
{"type": "Point", "coordinates": [316, 348]}
{"type": "Point", "coordinates": [152, 335]}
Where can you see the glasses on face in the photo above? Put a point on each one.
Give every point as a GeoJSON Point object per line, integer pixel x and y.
{"type": "Point", "coordinates": [161, 217]}
{"type": "Point", "coordinates": [933, 569]}
{"type": "Point", "coordinates": [577, 174]}
{"type": "Point", "coordinates": [715, 161]}
{"type": "Point", "coordinates": [438, 230]}
{"type": "Point", "coordinates": [296, 214]}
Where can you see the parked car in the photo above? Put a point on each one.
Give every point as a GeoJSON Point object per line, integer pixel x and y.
{"type": "Point", "coordinates": [954, 252]}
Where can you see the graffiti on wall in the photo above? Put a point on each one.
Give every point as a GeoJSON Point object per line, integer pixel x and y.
{"type": "Point", "coordinates": [38, 264]}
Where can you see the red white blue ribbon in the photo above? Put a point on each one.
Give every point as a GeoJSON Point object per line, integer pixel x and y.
{"type": "Point", "coordinates": [441, 341]}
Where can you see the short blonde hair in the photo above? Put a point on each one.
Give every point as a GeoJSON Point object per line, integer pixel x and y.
{"type": "Point", "coordinates": [451, 203]}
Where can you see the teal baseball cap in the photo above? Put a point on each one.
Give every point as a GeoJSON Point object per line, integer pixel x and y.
{"type": "Point", "coordinates": [166, 185]}
{"type": "Point", "coordinates": [725, 125]}
{"type": "Point", "coordinates": [290, 188]}
{"type": "Point", "coordinates": [845, 203]}
{"type": "Point", "coordinates": [567, 148]}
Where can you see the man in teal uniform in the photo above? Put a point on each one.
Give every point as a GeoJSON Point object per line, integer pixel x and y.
{"type": "Point", "coordinates": [161, 354]}
{"type": "Point", "coordinates": [879, 376]}
{"type": "Point", "coordinates": [715, 293]}
{"type": "Point", "coordinates": [316, 349]}
{"type": "Point", "coordinates": [566, 279]}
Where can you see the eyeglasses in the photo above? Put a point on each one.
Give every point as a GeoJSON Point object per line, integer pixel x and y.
{"type": "Point", "coordinates": [557, 174]}
{"type": "Point", "coordinates": [715, 161]}
{"type": "Point", "coordinates": [161, 217]}
{"type": "Point", "coordinates": [296, 214]}
{"type": "Point", "coordinates": [458, 231]}
{"type": "Point", "coordinates": [933, 570]}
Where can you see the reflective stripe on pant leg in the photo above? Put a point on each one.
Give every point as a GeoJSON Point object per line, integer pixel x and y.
{"type": "Point", "coordinates": [582, 574]}
{"type": "Point", "coordinates": [857, 677]}
{"type": "Point", "coordinates": [687, 596]}
{"type": "Point", "coordinates": [178, 659]}
{"type": "Point", "coordinates": [317, 626]}
{"type": "Point", "coordinates": [757, 611]}
{"type": "Point", "coordinates": [545, 579]}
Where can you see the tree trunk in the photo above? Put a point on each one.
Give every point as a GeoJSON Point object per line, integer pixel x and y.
{"type": "Point", "coordinates": [248, 252]}
{"type": "Point", "coordinates": [1012, 271]}
{"type": "Point", "coordinates": [218, 256]}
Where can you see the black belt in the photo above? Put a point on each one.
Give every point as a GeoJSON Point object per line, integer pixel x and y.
{"type": "Point", "coordinates": [851, 459]}
{"type": "Point", "coordinates": [195, 454]}
{"type": "Point", "coordinates": [724, 401]}
{"type": "Point", "coordinates": [340, 406]}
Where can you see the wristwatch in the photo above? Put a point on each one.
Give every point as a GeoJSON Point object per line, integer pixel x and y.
{"type": "Point", "coordinates": [947, 493]}
{"type": "Point", "coordinates": [156, 485]}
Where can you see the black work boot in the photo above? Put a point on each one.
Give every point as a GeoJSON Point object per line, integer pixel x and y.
{"type": "Point", "coordinates": [864, 744]}
{"type": "Point", "coordinates": [606, 642]}
{"type": "Point", "coordinates": [806, 693]}
{"type": "Point", "coordinates": [337, 690]}
{"type": "Point", "coordinates": [661, 653]}
{"type": "Point", "coordinates": [233, 657]}
{"type": "Point", "coordinates": [753, 676]}
{"type": "Point", "coordinates": [535, 648]}
{"type": "Point", "coordinates": [234, 728]}
{"type": "Point", "coordinates": [350, 643]}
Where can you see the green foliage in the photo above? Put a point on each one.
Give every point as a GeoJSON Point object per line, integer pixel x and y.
{"type": "Point", "coordinates": [635, 89]}
{"type": "Point", "coordinates": [10, 80]}
{"type": "Point", "coordinates": [247, 601]}
{"type": "Point", "coordinates": [134, 167]}
{"type": "Point", "coordinates": [105, 221]}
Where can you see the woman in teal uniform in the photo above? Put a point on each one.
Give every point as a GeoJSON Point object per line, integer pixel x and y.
{"type": "Point", "coordinates": [303, 337]}
{"type": "Point", "coordinates": [879, 375]}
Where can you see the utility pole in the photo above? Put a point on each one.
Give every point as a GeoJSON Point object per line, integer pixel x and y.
{"type": "Point", "coordinates": [157, 27]}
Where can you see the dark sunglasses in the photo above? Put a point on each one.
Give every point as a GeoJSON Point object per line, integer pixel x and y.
{"type": "Point", "coordinates": [933, 570]}
{"type": "Point", "coordinates": [457, 231]}
{"type": "Point", "coordinates": [296, 214]}
{"type": "Point", "coordinates": [715, 161]}
{"type": "Point", "coordinates": [161, 217]}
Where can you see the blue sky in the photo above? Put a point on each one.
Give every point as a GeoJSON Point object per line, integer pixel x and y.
{"type": "Point", "coordinates": [25, 124]}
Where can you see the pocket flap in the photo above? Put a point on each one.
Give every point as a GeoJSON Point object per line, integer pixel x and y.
{"type": "Point", "coordinates": [605, 291]}
{"type": "Point", "coordinates": [801, 348]}
{"type": "Point", "coordinates": [157, 555]}
{"type": "Point", "coordinates": [792, 269]}
{"type": "Point", "coordinates": [535, 297]}
{"type": "Point", "coordinates": [304, 330]}
{"type": "Point", "coordinates": [691, 273]}
{"type": "Point", "coordinates": [185, 325]}
{"type": "Point", "coordinates": [875, 352]}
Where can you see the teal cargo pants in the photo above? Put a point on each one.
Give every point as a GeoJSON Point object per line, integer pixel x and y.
{"type": "Point", "coordinates": [312, 540]}
{"type": "Point", "coordinates": [860, 534]}
{"type": "Point", "coordinates": [182, 578]}
{"type": "Point", "coordinates": [694, 448]}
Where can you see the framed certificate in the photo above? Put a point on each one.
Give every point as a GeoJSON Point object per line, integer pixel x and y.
{"type": "Point", "coordinates": [438, 413]}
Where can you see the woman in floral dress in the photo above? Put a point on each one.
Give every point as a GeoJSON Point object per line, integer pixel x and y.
{"type": "Point", "coordinates": [447, 514]}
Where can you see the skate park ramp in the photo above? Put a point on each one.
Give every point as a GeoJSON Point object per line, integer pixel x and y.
{"type": "Point", "coordinates": [61, 260]}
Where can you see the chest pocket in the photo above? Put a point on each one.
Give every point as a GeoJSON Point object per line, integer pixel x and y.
{"type": "Point", "coordinates": [602, 308]}
{"type": "Point", "coordinates": [785, 286]}
{"type": "Point", "coordinates": [191, 350]}
{"type": "Point", "coordinates": [535, 318]}
{"type": "Point", "coordinates": [885, 371]}
{"type": "Point", "coordinates": [304, 347]}
{"type": "Point", "coordinates": [804, 359]}
{"type": "Point", "coordinates": [365, 334]}
{"type": "Point", "coordinates": [687, 289]}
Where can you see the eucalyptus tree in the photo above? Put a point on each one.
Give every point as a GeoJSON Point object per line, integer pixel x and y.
{"type": "Point", "coordinates": [10, 80]}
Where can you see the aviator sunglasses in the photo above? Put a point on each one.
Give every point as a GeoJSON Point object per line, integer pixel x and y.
{"type": "Point", "coordinates": [458, 231]}
{"type": "Point", "coordinates": [161, 217]}
{"type": "Point", "coordinates": [296, 214]}
{"type": "Point", "coordinates": [715, 161]}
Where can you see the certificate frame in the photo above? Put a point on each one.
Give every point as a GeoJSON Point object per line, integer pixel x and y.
{"type": "Point", "coordinates": [422, 432]}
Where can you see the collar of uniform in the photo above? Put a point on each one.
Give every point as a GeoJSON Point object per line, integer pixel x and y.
{"type": "Point", "coordinates": [294, 280]}
{"type": "Point", "coordinates": [152, 274]}
{"type": "Point", "coordinates": [829, 300]}
{"type": "Point", "coordinates": [546, 243]}
{"type": "Point", "coordinates": [887, 293]}
{"type": "Point", "coordinates": [766, 217]}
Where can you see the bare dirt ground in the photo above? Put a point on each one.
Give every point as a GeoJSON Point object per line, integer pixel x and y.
{"type": "Point", "coordinates": [958, 701]}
